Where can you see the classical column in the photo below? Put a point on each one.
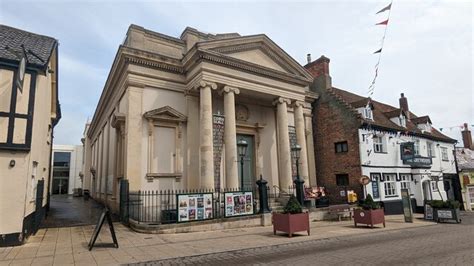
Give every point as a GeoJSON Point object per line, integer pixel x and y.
{"type": "Point", "coordinates": [205, 133]}
{"type": "Point", "coordinates": [301, 140]}
{"type": "Point", "coordinates": [231, 173]}
{"type": "Point", "coordinates": [284, 143]}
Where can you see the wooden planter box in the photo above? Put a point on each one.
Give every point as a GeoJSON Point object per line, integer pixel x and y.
{"type": "Point", "coordinates": [290, 223]}
{"type": "Point", "coordinates": [369, 217]}
{"type": "Point", "coordinates": [445, 214]}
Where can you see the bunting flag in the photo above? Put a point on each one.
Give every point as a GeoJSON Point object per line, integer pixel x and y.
{"type": "Point", "coordinates": [385, 22]}
{"type": "Point", "coordinates": [388, 8]}
{"type": "Point", "coordinates": [385, 8]}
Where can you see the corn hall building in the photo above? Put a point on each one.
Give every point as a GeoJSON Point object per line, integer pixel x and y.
{"type": "Point", "coordinates": [173, 109]}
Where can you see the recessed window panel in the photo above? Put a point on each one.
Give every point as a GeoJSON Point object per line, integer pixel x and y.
{"type": "Point", "coordinates": [3, 129]}
{"type": "Point", "coordinates": [6, 83]}
{"type": "Point", "coordinates": [23, 97]}
{"type": "Point", "coordinates": [19, 132]}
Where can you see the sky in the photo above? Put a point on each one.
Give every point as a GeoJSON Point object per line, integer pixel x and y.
{"type": "Point", "coordinates": [428, 50]}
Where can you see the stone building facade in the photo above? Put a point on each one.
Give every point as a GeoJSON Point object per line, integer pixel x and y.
{"type": "Point", "coordinates": [29, 110]}
{"type": "Point", "coordinates": [357, 136]}
{"type": "Point", "coordinates": [156, 121]}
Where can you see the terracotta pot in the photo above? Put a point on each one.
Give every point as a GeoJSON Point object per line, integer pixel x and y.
{"type": "Point", "coordinates": [290, 223]}
{"type": "Point", "coordinates": [369, 217]}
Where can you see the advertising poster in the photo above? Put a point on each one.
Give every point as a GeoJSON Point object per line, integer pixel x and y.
{"type": "Point", "coordinates": [238, 203]}
{"type": "Point", "coordinates": [194, 207]}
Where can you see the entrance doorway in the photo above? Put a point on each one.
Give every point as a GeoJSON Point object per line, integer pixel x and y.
{"type": "Point", "coordinates": [60, 186]}
{"type": "Point", "coordinates": [249, 162]}
{"type": "Point", "coordinates": [426, 190]}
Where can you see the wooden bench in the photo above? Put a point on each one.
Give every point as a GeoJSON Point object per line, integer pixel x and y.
{"type": "Point", "coordinates": [340, 210]}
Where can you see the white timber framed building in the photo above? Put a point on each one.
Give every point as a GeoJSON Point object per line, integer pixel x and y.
{"type": "Point", "coordinates": [155, 123]}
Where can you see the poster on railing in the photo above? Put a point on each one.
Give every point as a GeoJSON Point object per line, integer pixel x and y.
{"type": "Point", "coordinates": [238, 203]}
{"type": "Point", "coordinates": [194, 207]}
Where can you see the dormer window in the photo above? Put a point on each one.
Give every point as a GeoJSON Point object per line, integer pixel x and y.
{"type": "Point", "coordinates": [368, 113]}
{"type": "Point", "coordinates": [403, 121]}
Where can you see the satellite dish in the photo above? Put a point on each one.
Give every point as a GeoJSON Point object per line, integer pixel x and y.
{"type": "Point", "coordinates": [20, 77]}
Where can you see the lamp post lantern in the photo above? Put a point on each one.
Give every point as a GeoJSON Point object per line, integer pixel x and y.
{"type": "Point", "coordinates": [242, 150]}
{"type": "Point", "coordinates": [295, 152]}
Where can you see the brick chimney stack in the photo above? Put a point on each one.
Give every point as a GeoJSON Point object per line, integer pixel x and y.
{"type": "Point", "coordinates": [319, 69]}
{"type": "Point", "coordinates": [467, 137]}
{"type": "Point", "coordinates": [404, 105]}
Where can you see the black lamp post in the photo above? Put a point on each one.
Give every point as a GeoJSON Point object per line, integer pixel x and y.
{"type": "Point", "coordinates": [295, 152]}
{"type": "Point", "coordinates": [242, 150]}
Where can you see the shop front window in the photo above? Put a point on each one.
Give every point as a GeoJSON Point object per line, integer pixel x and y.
{"type": "Point", "coordinates": [390, 185]}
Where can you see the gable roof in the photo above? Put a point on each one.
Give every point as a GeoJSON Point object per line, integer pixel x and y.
{"type": "Point", "coordinates": [383, 112]}
{"type": "Point", "coordinates": [38, 48]}
{"type": "Point", "coordinates": [421, 120]}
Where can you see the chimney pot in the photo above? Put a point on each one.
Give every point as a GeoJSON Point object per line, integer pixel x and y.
{"type": "Point", "coordinates": [467, 137]}
{"type": "Point", "coordinates": [308, 58]}
{"type": "Point", "coordinates": [404, 105]}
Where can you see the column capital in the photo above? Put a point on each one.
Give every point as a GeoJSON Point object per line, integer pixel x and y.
{"type": "Point", "coordinates": [204, 84]}
{"type": "Point", "coordinates": [299, 104]}
{"type": "Point", "coordinates": [281, 100]}
{"type": "Point", "coordinates": [228, 89]}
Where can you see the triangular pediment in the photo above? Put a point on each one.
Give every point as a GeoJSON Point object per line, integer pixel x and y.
{"type": "Point", "coordinates": [257, 50]}
{"type": "Point", "coordinates": [165, 113]}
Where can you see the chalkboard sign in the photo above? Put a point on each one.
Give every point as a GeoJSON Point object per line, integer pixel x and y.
{"type": "Point", "coordinates": [428, 212]}
{"type": "Point", "coordinates": [406, 202]}
{"type": "Point", "coordinates": [375, 185]}
{"type": "Point", "coordinates": [105, 215]}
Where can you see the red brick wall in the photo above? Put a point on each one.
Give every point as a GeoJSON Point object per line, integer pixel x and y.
{"type": "Point", "coordinates": [333, 123]}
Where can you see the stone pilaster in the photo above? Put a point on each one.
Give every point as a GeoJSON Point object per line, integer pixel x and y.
{"type": "Point", "coordinates": [206, 146]}
{"type": "Point", "coordinates": [230, 138]}
{"type": "Point", "coordinates": [301, 140]}
{"type": "Point", "coordinates": [283, 143]}
{"type": "Point", "coordinates": [133, 129]}
{"type": "Point", "coordinates": [310, 151]}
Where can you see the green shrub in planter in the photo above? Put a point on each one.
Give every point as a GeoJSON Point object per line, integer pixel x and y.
{"type": "Point", "coordinates": [369, 203]}
{"type": "Point", "coordinates": [293, 206]}
{"type": "Point", "coordinates": [450, 204]}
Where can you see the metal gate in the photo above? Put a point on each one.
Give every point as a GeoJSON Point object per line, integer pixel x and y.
{"type": "Point", "coordinates": [39, 210]}
{"type": "Point", "coordinates": [124, 201]}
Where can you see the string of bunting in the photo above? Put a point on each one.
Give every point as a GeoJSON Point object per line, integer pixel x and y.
{"type": "Point", "coordinates": [453, 127]}
{"type": "Point", "coordinates": [379, 51]}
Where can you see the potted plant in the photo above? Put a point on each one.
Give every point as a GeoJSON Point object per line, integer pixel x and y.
{"type": "Point", "coordinates": [369, 213]}
{"type": "Point", "coordinates": [445, 210]}
{"type": "Point", "coordinates": [292, 220]}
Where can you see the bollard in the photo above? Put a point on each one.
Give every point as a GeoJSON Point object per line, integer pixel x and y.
{"type": "Point", "coordinates": [263, 196]}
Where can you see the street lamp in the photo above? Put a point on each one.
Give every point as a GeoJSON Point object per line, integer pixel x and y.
{"type": "Point", "coordinates": [295, 153]}
{"type": "Point", "coordinates": [242, 150]}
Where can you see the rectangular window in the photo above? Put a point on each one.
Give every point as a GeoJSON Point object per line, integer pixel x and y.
{"type": "Point", "coordinates": [405, 180]}
{"type": "Point", "coordinates": [379, 145]}
{"type": "Point", "coordinates": [164, 151]}
{"type": "Point", "coordinates": [434, 186]}
{"type": "Point", "coordinates": [16, 109]}
{"type": "Point", "coordinates": [342, 180]}
{"type": "Point", "coordinates": [341, 147]}
{"type": "Point", "coordinates": [429, 147]}
{"type": "Point", "coordinates": [368, 113]}
{"type": "Point", "coordinates": [390, 185]}
{"type": "Point", "coordinates": [444, 154]}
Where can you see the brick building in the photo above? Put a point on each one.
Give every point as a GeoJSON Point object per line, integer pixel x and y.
{"type": "Point", "coordinates": [355, 136]}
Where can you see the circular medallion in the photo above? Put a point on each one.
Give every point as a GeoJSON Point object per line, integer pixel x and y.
{"type": "Point", "coordinates": [362, 214]}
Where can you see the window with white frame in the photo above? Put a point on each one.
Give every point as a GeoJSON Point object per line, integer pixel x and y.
{"type": "Point", "coordinates": [368, 113]}
{"type": "Point", "coordinates": [429, 148]}
{"type": "Point", "coordinates": [434, 186]}
{"type": "Point", "coordinates": [403, 121]}
{"type": "Point", "coordinates": [417, 147]}
{"type": "Point", "coordinates": [405, 180]}
{"type": "Point", "coordinates": [379, 144]}
{"type": "Point", "coordinates": [444, 154]}
{"type": "Point", "coordinates": [390, 185]}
